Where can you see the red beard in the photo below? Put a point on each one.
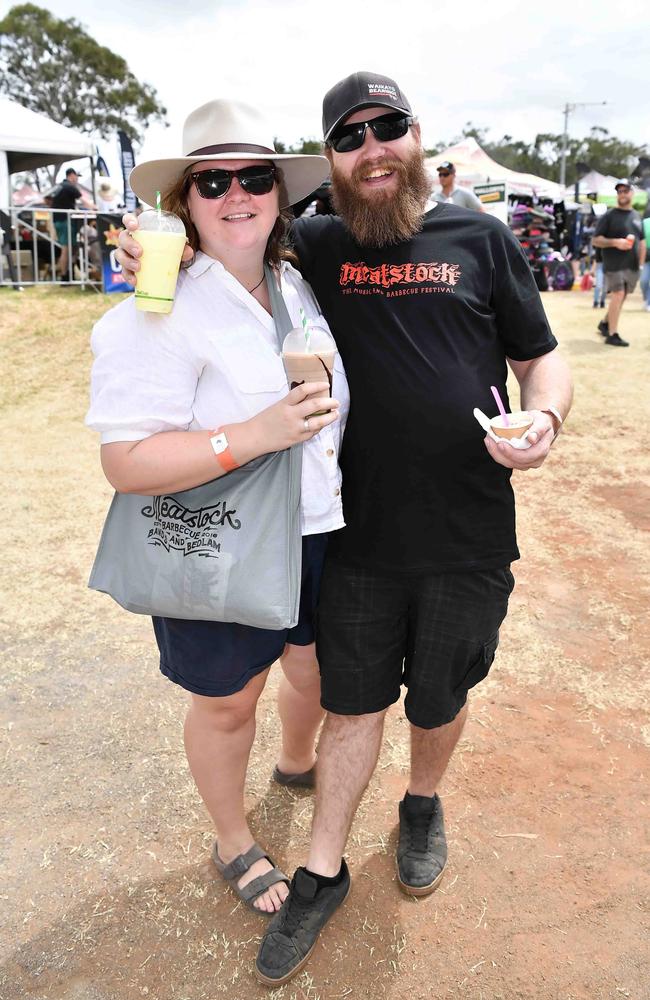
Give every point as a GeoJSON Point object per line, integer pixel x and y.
{"type": "Point", "coordinates": [379, 218]}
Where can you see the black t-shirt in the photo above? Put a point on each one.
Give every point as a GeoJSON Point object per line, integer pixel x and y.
{"type": "Point", "coordinates": [424, 329]}
{"type": "Point", "coordinates": [65, 196]}
{"type": "Point", "coordinates": [618, 223]}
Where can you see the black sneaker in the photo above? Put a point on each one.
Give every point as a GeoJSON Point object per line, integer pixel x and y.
{"type": "Point", "coordinates": [422, 847]}
{"type": "Point", "coordinates": [616, 341]}
{"type": "Point", "coordinates": [603, 328]}
{"type": "Point", "coordinates": [293, 932]}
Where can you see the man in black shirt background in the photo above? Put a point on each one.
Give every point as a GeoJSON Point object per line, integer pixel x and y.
{"type": "Point", "coordinates": [65, 196]}
{"type": "Point", "coordinates": [619, 235]}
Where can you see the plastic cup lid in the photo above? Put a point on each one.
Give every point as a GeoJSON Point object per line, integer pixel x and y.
{"type": "Point", "coordinates": [160, 222]}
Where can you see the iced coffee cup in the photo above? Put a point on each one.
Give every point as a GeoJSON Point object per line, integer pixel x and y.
{"type": "Point", "coordinates": [518, 424]}
{"type": "Point", "coordinates": [308, 356]}
{"type": "Point", "coordinates": [162, 238]}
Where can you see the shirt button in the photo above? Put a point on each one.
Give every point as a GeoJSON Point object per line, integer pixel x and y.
{"type": "Point", "coordinates": [329, 452]}
{"type": "Point", "coordinates": [337, 493]}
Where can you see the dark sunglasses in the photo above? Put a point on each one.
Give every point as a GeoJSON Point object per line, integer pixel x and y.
{"type": "Point", "coordinates": [386, 128]}
{"type": "Point", "coordinates": [444, 173]}
{"type": "Point", "coordinates": [215, 183]}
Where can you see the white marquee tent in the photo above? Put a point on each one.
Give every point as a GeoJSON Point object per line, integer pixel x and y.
{"type": "Point", "coordinates": [474, 166]}
{"type": "Point", "coordinates": [29, 140]}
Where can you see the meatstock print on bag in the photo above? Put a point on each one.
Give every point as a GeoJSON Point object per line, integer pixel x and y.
{"type": "Point", "coordinates": [176, 526]}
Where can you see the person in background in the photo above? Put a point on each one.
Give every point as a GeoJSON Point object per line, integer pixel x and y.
{"type": "Point", "coordinates": [160, 387]}
{"type": "Point", "coordinates": [107, 197]}
{"type": "Point", "coordinates": [599, 279]}
{"type": "Point", "coordinates": [645, 270]}
{"type": "Point", "coordinates": [449, 192]}
{"type": "Point", "coordinates": [620, 236]}
{"type": "Point", "coordinates": [65, 196]}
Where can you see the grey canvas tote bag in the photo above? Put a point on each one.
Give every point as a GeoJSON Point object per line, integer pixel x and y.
{"type": "Point", "coordinates": [227, 551]}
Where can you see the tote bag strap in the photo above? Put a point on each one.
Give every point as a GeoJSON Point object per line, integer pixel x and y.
{"type": "Point", "coordinates": [278, 306]}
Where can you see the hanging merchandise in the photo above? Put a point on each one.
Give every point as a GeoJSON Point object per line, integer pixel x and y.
{"type": "Point", "coordinates": [536, 228]}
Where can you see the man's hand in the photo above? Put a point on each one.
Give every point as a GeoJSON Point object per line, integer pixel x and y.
{"type": "Point", "coordinates": [540, 435]}
{"type": "Point", "coordinates": [129, 251]}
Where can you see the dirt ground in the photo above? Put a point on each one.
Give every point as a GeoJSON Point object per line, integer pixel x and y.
{"type": "Point", "coordinates": [107, 892]}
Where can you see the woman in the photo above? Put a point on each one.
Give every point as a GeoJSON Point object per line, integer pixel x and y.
{"type": "Point", "coordinates": [160, 387]}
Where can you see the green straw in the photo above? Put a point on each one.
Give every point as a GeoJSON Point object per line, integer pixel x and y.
{"type": "Point", "coordinates": [305, 326]}
{"type": "Point", "coordinates": [158, 208]}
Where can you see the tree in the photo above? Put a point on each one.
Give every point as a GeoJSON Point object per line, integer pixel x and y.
{"type": "Point", "coordinates": [55, 68]}
{"type": "Point", "coordinates": [303, 146]}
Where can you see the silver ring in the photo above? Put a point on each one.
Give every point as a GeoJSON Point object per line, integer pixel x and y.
{"type": "Point", "coordinates": [307, 429]}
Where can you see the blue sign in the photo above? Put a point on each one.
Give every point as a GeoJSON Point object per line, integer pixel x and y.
{"type": "Point", "coordinates": [109, 227]}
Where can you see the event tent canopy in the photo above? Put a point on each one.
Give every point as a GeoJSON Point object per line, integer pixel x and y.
{"type": "Point", "coordinates": [474, 166]}
{"type": "Point", "coordinates": [31, 140]}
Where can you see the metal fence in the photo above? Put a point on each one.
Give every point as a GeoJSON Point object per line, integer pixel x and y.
{"type": "Point", "coordinates": [44, 246]}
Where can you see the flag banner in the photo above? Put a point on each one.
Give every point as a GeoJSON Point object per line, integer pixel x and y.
{"type": "Point", "coordinates": [100, 166]}
{"type": "Point", "coordinates": [128, 163]}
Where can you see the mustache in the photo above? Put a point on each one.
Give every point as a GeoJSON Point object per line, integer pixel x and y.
{"type": "Point", "coordinates": [361, 170]}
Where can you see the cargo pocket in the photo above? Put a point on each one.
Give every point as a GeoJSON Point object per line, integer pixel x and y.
{"type": "Point", "coordinates": [480, 668]}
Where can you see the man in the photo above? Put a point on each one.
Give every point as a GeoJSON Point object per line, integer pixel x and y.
{"type": "Point", "coordinates": [65, 196]}
{"type": "Point", "coordinates": [449, 192]}
{"type": "Point", "coordinates": [620, 237]}
{"type": "Point", "coordinates": [426, 308]}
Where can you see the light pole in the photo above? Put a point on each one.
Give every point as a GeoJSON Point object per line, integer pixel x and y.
{"type": "Point", "coordinates": [568, 108]}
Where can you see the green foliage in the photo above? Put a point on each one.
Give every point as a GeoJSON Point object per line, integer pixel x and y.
{"type": "Point", "coordinates": [55, 68]}
{"type": "Point", "coordinates": [311, 147]}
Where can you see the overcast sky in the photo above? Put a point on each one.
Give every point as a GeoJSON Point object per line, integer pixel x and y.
{"type": "Point", "coordinates": [506, 66]}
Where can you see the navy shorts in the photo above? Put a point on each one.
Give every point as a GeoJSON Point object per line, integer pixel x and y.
{"type": "Point", "coordinates": [436, 634]}
{"type": "Point", "coordinates": [219, 658]}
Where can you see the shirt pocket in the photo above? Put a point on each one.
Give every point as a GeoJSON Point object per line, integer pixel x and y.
{"type": "Point", "coordinates": [251, 366]}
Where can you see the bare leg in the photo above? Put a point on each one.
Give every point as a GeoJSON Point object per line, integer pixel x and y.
{"type": "Point", "coordinates": [299, 708]}
{"type": "Point", "coordinates": [616, 300]}
{"type": "Point", "coordinates": [219, 733]}
{"type": "Point", "coordinates": [347, 756]}
{"type": "Point", "coordinates": [431, 750]}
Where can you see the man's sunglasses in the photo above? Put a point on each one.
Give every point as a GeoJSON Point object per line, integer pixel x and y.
{"type": "Point", "coordinates": [444, 173]}
{"type": "Point", "coordinates": [215, 183]}
{"type": "Point", "coordinates": [386, 128]}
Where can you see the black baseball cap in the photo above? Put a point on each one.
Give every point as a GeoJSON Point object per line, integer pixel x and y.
{"type": "Point", "coordinates": [446, 165]}
{"type": "Point", "coordinates": [623, 183]}
{"type": "Point", "coordinates": [361, 90]}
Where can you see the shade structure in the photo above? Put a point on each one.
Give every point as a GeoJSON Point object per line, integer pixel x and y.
{"type": "Point", "coordinates": [474, 166]}
{"type": "Point", "coordinates": [31, 140]}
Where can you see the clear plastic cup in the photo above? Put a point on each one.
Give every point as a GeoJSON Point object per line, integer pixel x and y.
{"type": "Point", "coordinates": [162, 238]}
{"type": "Point", "coordinates": [309, 358]}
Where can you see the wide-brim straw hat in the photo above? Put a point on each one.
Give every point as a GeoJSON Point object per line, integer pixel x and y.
{"type": "Point", "coordinates": [230, 130]}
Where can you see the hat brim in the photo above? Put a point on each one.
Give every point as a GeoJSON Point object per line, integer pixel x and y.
{"type": "Point", "coordinates": [302, 174]}
{"type": "Point", "coordinates": [360, 107]}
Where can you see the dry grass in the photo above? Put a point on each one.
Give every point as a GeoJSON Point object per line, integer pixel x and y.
{"type": "Point", "coordinates": [107, 892]}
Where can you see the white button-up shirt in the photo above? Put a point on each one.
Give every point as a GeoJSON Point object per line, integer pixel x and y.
{"type": "Point", "coordinates": [215, 359]}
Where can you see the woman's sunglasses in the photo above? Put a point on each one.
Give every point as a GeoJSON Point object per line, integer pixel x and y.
{"type": "Point", "coordinates": [215, 183]}
{"type": "Point", "coordinates": [386, 128]}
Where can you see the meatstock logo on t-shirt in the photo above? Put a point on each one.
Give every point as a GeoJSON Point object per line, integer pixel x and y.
{"type": "Point", "coordinates": [192, 532]}
{"type": "Point", "coordinates": [399, 279]}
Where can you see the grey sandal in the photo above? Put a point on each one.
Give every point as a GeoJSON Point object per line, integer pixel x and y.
{"type": "Point", "coordinates": [233, 871]}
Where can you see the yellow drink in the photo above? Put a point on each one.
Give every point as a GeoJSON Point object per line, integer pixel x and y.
{"type": "Point", "coordinates": [159, 263]}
